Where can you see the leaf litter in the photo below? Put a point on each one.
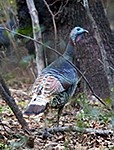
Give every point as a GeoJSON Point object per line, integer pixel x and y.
{"type": "Point", "coordinates": [81, 114]}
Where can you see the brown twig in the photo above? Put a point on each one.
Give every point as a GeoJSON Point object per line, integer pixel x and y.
{"type": "Point", "coordinates": [4, 91]}
{"type": "Point", "coordinates": [3, 125]}
{"type": "Point", "coordinates": [66, 60]}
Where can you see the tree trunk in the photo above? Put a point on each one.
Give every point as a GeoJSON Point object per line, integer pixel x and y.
{"type": "Point", "coordinates": [37, 35]}
{"type": "Point", "coordinates": [88, 53]}
{"type": "Point", "coordinates": [105, 47]}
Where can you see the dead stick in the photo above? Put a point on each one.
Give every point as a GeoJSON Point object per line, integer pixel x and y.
{"type": "Point", "coordinates": [4, 86]}
{"type": "Point", "coordinates": [78, 129]}
{"type": "Point", "coordinates": [12, 104]}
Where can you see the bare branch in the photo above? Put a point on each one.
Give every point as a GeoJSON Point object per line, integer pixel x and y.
{"type": "Point", "coordinates": [54, 2]}
{"type": "Point", "coordinates": [108, 66]}
{"type": "Point", "coordinates": [54, 24]}
{"type": "Point", "coordinates": [53, 17]}
{"type": "Point", "coordinates": [61, 8]}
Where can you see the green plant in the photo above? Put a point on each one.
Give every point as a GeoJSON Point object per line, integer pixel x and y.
{"type": "Point", "coordinates": [90, 113]}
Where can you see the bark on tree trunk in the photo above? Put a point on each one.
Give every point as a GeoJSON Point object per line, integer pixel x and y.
{"type": "Point", "coordinates": [88, 52]}
{"type": "Point", "coordinates": [106, 62]}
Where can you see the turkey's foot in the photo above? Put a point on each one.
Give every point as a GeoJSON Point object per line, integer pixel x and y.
{"type": "Point", "coordinates": [46, 134]}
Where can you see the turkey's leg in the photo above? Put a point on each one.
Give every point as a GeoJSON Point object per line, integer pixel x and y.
{"type": "Point", "coordinates": [59, 114]}
{"type": "Point", "coordinates": [45, 119]}
{"type": "Point", "coordinates": [45, 116]}
{"type": "Point", "coordinates": [46, 133]}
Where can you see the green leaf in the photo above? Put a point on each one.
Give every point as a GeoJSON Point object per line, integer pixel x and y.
{"type": "Point", "coordinates": [108, 101]}
{"type": "Point", "coordinates": [2, 109]}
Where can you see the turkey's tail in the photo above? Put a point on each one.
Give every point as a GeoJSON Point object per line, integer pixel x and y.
{"type": "Point", "coordinates": [34, 109]}
{"type": "Point", "coordinates": [36, 106]}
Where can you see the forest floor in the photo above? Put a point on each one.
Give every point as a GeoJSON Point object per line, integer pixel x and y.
{"type": "Point", "coordinates": [80, 112]}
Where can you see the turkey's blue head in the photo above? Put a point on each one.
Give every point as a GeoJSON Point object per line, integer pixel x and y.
{"type": "Point", "coordinates": [76, 34]}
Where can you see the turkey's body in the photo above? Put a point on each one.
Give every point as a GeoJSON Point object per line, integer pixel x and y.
{"type": "Point", "coordinates": [57, 82]}
{"type": "Point", "coordinates": [55, 85]}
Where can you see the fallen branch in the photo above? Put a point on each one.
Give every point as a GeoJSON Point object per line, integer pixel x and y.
{"type": "Point", "coordinates": [78, 129]}
{"type": "Point", "coordinates": [4, 86]}
{"type": "Point", "coordinates": [54, 50]}
{"type": "Point", "coordinates": [18, 91]}
{"type": "Point", "coordinates": [6, 95]}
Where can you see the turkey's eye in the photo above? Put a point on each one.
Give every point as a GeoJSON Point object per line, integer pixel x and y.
{"type": "Point", "coordinates": [78, 29]}
{"type": "Point", "coordinates": [35, 99]}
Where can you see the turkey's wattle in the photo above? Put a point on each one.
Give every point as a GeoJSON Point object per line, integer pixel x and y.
{"type": "Point", "coordinates": [57, 82]}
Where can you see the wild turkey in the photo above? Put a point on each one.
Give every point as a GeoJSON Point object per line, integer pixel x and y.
{"type": "Point", "coordinates": [57, 82]}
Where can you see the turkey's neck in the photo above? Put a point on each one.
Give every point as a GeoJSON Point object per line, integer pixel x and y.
{"type": "Point", "coordinates": [69, 52]}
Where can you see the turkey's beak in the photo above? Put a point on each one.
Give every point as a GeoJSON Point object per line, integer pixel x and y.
{"type": "Point", "coordinates": [86, 31]}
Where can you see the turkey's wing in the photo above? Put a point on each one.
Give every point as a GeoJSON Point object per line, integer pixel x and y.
{"type": "Point", "coordinates": [48, 85]}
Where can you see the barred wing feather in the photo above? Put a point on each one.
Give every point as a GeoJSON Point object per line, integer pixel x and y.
{"type": "Point", "coordinates": [45, 88]}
